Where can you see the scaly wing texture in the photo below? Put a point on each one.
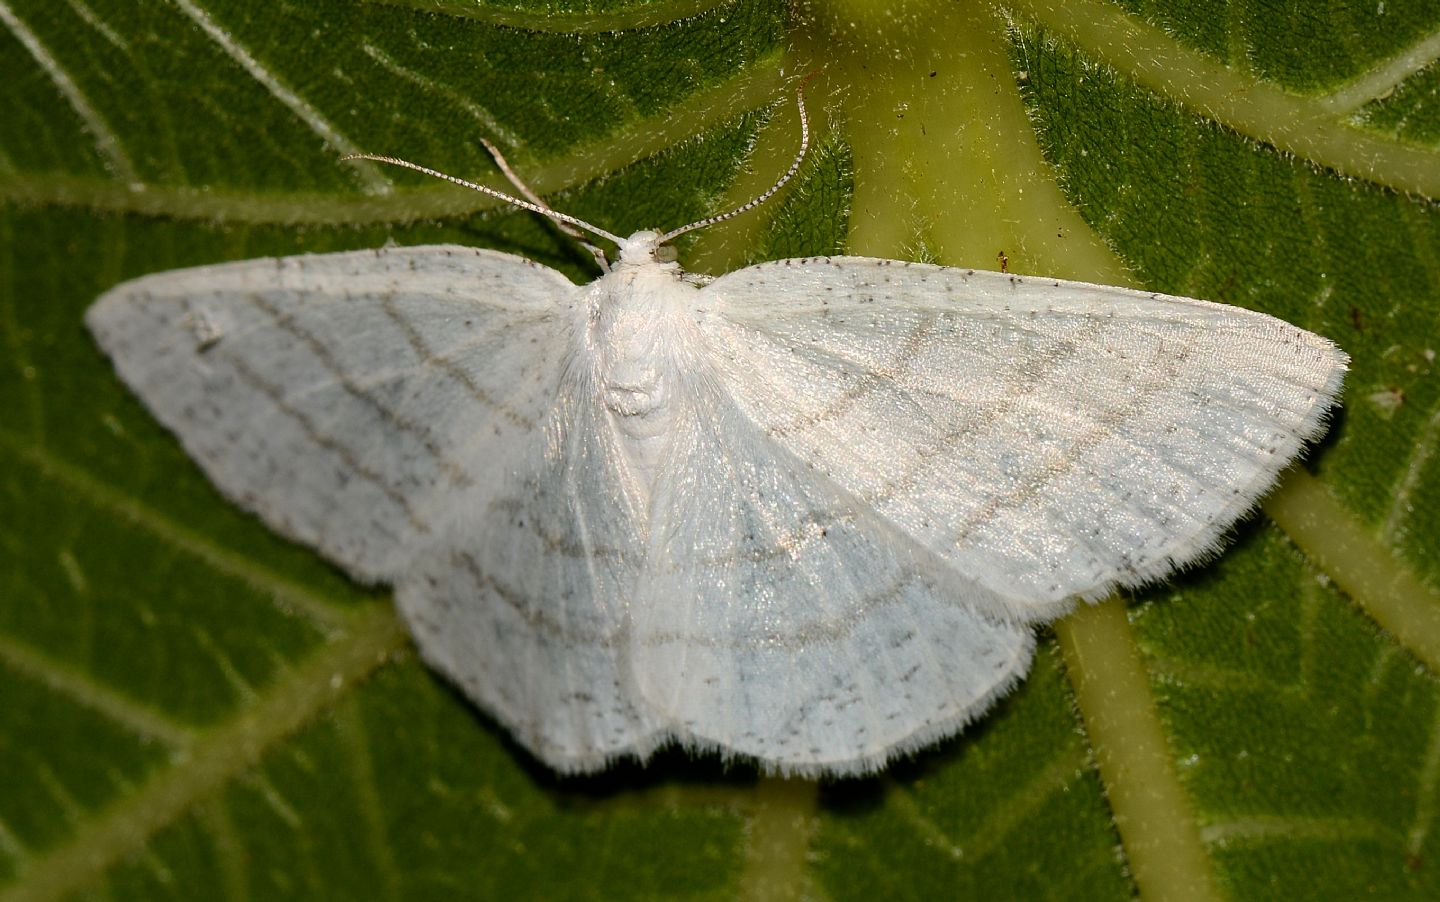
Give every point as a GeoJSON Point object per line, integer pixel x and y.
{"type": "Point", "coordinates": [343, 398]}
{"type": "Point", "coordinates": [779, 619]}
{"type": "Point", "coordinates": [1050, 439]}
{"type": "Point", "coordinates": [523, 603]}
{"type": "Point", "coordinates": [413, 413]}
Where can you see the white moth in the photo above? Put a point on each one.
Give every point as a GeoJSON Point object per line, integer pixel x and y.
{"type": "Point", "coordinates": [806, 513]}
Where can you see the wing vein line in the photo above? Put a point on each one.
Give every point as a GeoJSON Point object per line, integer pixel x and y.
{"type": "Point", "coordinates": [456, 473]}
{"type": "Point", "coordinates": [1038, 369]}
{"type": "Point", "coordinates": [329, 443]}
{"type": "Point", "coordinates": [427, 354]}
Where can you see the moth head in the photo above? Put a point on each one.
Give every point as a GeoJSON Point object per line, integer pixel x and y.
{"type": "Point", "coordinates": [646, 248]}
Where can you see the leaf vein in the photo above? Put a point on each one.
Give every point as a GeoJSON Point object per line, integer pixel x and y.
{"type": "Point", "coordinates": [107, 143]}
{"type": "Point", "coordinates": [219, 755]}
{"type": "Point", "coordinates": [139, 718]}
{"type": "Point", "coordinates": [288, 596]}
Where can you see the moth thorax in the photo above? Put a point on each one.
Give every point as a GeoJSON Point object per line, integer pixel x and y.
{"type": "Point", "coordinates": [633, 338]}
{"type": "Point", "coordinates": [637, 398]}
{"type": "Point", "coordinates": [635, 390]}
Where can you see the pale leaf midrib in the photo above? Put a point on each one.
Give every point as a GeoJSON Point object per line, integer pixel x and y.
{"type": "Point", "coordinates": [323, 613]}
{"type": "Point", "coordinates": [1307, 127]}
{"type": "Point", "coordinates": [370, 175]}
{"type": "Point", "coordinates": [145, 722]}
{"type": "Point", "coordinates": [217, 757]}
{"type": "Point", "coordinates": [107, 143]}
{"type": "Point", "coordinates": [758, 85]}
{"type": "Point", "coordinates": [1383, 78]}
{"type": "Point", "coordinates": [1342, 548]}
{"type": "Point", "coordinates": [782, 823]}
{"type": "Point", "coordinates": [1152, 810]}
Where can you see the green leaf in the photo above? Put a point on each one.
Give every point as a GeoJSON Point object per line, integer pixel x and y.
{"type": "Point", "coordinates": [194, 707]}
